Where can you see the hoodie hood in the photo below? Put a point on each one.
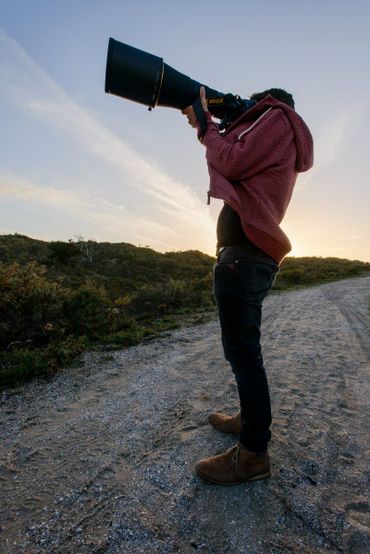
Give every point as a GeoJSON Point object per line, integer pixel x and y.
{"type": "Point", "coordinates": [302, 134]}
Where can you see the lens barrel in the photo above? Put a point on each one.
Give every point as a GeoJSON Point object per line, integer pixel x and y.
{"type": "Point", "coordinates": [144, 78]}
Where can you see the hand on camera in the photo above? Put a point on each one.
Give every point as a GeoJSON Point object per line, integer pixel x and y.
{"type": "Point", "coordinates": [203, 99]}
{"type": "Point", "coordinates": [190, 114]}
{"type": "Point", "coordinates": [189, 111]}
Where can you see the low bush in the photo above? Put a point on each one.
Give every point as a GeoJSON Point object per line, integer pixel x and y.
{"type": "Point", "coordinates": [171, 296]}
{"type": "Point", "coordinates": [313, 270]}
{"type": "Point", "coordinates": [20, 365]}
{"type": "Point", "coordinates": [29, 304]}
{"type": "Point", "coordinates": [44, 325]}
{"type": "Point", "coordinates": [58, 298]}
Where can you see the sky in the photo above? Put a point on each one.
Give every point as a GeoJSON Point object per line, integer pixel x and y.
{"type": "Point", "coordinates": [75, 161]}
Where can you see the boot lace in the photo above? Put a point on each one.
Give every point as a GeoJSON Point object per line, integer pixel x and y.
{"type": "Point", "coordinates": [235, 457]}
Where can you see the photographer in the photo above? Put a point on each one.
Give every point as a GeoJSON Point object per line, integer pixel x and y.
{"type": "Point", "coordinates": [253, 166]}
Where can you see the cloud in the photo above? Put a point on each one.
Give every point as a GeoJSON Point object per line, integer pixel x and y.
{"type": "Point", "coordinates": [99, 212]}
{"type": "Point", "coordinates": [329, 141]}
{"type": "Point", "coordinates": [25, 83]}
{"type": "Point", "coordinates": [335, 134]}
{"type": "Point", "coordinates": [353, 237]}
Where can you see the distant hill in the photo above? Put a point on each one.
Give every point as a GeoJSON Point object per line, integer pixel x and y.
{"type": "Point", "coordinates": [114, 265]}
{"type": "Point", "coordinates": [58, 297]}
{"type": "Point", "coordinates": [118, 265]}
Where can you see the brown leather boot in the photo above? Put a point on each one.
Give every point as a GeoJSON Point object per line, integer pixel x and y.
{"type": "Point", "coordinates": [226, 423]}
{"type": "Point", "coordinates": [236, 465]}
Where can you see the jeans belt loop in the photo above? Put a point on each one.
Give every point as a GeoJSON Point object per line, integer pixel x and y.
{"type": "Point", "coordinates": [219, 250]}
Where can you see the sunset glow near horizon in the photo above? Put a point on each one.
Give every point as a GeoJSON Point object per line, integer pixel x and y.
{"type": "Point", "coordinates": [76, 161]}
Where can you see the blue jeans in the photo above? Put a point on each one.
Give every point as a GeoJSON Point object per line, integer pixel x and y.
{"type": "Point", "coordinates": [242, 278]}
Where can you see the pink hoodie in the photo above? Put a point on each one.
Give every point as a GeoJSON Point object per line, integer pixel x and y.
{"type": "Point", "coordinates": [253, 167]}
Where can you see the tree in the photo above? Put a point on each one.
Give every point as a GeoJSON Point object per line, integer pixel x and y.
{"type": "Point", "coordinates": [86, 248]}
{"type": "Point", "coordinates": [62, 252]}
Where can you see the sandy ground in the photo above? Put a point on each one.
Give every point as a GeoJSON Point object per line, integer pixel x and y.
{"type": "Point", "coordinates": [100, 459]}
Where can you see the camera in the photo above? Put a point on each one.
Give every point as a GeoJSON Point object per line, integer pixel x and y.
{"type": "Point", "coordinates": [144, 78]}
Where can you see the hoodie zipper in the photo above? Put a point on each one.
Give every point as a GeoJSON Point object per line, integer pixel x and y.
{"type": "Point", "coordinates": [253, 124]}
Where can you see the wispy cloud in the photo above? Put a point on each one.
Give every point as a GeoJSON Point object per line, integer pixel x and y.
{"type": "Point", "coordinates": [353, 237]}
{"type": "Point", "coordinates": [99, 212]}
{"type": "Point", "coordinates": [335, 134]}
{"type": "Point", "coordinates": [329, 141]}
{"type": "Point", "coordinates": [27, 85]}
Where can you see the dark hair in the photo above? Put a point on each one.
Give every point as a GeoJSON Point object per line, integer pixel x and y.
{"type": "Point", "coordinates": [278, 93]}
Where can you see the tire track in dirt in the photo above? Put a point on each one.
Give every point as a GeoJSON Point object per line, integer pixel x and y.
{"type": "Point", "coordinates": [334, 440]}
{"type": "Point", "coordinates": [100, 459]}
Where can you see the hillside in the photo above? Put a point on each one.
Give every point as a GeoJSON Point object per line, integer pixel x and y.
{"type": "Point", "coordinates": [117, 265]}
{"type": "Point", "coordinates": [60, 297]}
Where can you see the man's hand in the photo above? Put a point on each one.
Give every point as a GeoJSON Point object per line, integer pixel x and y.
{"type": "Point", "coordinates": [189, 111]}
{"type": "Point", "coordinates": [190, 114]}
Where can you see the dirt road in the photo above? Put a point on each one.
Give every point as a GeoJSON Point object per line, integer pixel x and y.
{"type": "Point", "coordinates": [100, 459]}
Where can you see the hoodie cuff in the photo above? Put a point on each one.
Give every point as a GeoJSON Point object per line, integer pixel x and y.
{"type": "Point", "coordinates": [210, 124]}
{"type": "Point", "coordinates": [212, 129]}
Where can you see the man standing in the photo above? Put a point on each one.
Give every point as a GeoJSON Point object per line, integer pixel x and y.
{"type": "Point", "coordinates": [253, 167]}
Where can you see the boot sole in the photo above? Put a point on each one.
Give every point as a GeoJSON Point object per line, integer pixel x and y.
{"type": "Point", "coordinates": [255, 478]}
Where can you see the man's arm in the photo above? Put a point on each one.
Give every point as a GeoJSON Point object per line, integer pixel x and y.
{"type": "Point", "coordinates": [250, 154]}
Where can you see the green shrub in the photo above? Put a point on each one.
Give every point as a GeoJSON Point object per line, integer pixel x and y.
{"type": "Point", "coordinates": [291, 277]}
{"type": "Point", "coordinates": [314, 270]}
{"type": "Point", "coordinates": [29, 303]}
{"type": "Point", "coordinates": [86, 311]}
{"type": "Point", "coordinates": [63, 252]}
{"type": "Point", "coordinates": [43, 325]}
{"type": "Point", "coordinates": [21, 365]}
{"type": "Point", "coordinates": [52, 299]}
{"type": "Point", "coordinates": [171, 296]}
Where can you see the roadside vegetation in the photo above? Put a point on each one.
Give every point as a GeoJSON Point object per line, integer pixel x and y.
{"type": "Point", "coordinates": [59, 298]}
